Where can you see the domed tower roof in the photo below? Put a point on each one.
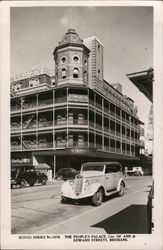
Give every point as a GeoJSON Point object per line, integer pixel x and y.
{"type": "Point", "coordinates": [71, 37]}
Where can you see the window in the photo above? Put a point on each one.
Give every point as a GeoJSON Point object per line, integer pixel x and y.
{"type": "Point", "coordinates": [63, 59]}
{"type": "Point", "coordinates": [85, 61]}
{"type": "Point", "coordinates": [63, 73]}
{"type": "Point", "coordinates": [76, 59]}
{"type": "Point", "coordinates": [112, 168]}
{"type": "Point", "coordinates": [98, 73]}
{"type": "Point", "coordinates": [75, 73]}
{"type": "Point", "coordinates": [85, 75]}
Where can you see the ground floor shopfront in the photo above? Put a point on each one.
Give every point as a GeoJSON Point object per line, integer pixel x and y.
{"type": "Point", "coordinates": [67, 158]}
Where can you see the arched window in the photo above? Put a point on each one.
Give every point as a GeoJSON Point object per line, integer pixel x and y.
{"type": "Point", "coordinates": [85, 75]}
{"type": "Point", "coordinates": [76, 59]}
{"type": "Point", "coordinates": [63, 59]}
{"type": "Point", "coordinates": [63, 73]}
{"type": "Point", "coordinates": [75, 73]}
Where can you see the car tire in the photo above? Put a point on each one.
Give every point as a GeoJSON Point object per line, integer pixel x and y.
{"type": "Point", "coordinates": [44, 181]}
{"type": "Point", "coordinates": [98, 197]}
{"type": "Point", "coordinates": [64, 200]}
{"type": "Point", "coordinates": [121, 191]}
{"type": "Point", "coordinates": [22, 183]}
{"type": "Point", "coordinates": [31, 184]}
{"type": "Point", "coordinates": [59, 178]}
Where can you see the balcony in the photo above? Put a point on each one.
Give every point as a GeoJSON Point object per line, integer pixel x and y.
{"type": "Point", "coordinates": [123, 151]}
{"type": "Point", "coordinates": [44, 144]}
{"type": "Point", "coordinates": [29, 126]}
{"type": "Point", "coordinates": [112, 113]}
{"type": "Point", "coordinates": [15, 146]}
{"type": "Point", "coordinates": [106, 148]}
{"type": "Point", "coordinates": [61, 144]}
{"type": "Point", "coordinates": [106, 129]}
{"type": "Point", "coordinates": [15, 126]}
{"type": "Point", "coordinates": [118, 150]}
{"type": "Point", "coordinates": [99, 146]}
{"type": "Point", "coordinates": [99, 126]}
{"type": "Point", "coordinates": [91, 102]}
{"type": "Point", "coordinates": [29, 144]}
{"type": "Point", "coordinates": [29, 105]}
{"type": "Point", "coordinates": [15, 108]}
{"type": "Point", "coordinates": [45, 102]}
{"type": "Point", "coordinates": [112, 131]}
{"type": "Point", "coordinates": [112, 149]}
{"type": "Point", "coordinates": [60, 99]}
{"type": "Point", "coordinates": [91, 124]}
{"type": "Point", "coordinates": [118, 134]}
{"type": "Point", "coordinates": [44, 123]}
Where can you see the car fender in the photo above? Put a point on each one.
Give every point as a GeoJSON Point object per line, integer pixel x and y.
{"type": "Point", "coordinates": [119, 183]}
{"type": "Point", "coordinates": [65, 188]}
{"type": "Point", "coordinates": [94, 187]}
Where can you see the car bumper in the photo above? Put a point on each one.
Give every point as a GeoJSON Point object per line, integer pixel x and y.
{"type": "Point", "coordinates": [69, 192]}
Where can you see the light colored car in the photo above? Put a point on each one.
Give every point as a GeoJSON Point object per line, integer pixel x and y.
{"type": "Point", "coordinates": [96, 180]}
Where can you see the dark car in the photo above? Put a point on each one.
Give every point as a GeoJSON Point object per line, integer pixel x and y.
{"type": "Point", "coordinates": [66, 174]}
{"type": "Point", "coordinates": [22, 176]}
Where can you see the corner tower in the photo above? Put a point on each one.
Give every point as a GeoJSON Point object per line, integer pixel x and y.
{"type": "Point", "coordinates": [71, 60]}
{"type": "Point", "coordinates": [96, 71]}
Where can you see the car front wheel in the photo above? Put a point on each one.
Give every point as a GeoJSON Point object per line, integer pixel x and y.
{"type": "Point", "coordinates": [64, 200]}
{"type": "Point", "coordinates": [22, 183]}
{"type": "Point", "coordinates": [31, 184]}
{"type": "Point", "coordinates": [44, 181]}
{"type": "Point", "coordinates": [97, 198]}
{"type": "Point", "coordinates": [121, 191]}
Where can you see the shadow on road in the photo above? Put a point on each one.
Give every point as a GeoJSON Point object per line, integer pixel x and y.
{"type": "Point", "coordinates": [132, 219]}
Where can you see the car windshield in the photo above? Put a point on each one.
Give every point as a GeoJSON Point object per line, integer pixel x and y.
{"type": "Point", "coordinates": [92, 168]}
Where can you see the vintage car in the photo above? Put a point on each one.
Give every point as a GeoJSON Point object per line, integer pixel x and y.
{"type": "Point", "coordinates": [135, 171]}
{"type": "Point", "coordinates": [66, 174]}
{"type": "Point", "coordinates": [21, 176]}
{"type": "Point", "coordinates": [96, 180]}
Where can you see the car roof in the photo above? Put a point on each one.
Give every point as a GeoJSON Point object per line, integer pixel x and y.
{"type": "Point", "coordinates": [102, 163]}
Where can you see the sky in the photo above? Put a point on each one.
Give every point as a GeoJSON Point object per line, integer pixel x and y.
{"type": "Point", "coordinates": [125, 32]}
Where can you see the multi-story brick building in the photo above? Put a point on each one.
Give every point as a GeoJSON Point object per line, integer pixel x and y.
{"type": "Point", "coordinates": [74, 115]}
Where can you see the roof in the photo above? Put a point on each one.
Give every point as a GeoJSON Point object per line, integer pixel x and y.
{"type": "Point", "coordinates": [93, 38]}
{"type": "Point", "coordinates": [143, 80]}
{"type": "Point", "coordinates": [71, 37]}
{"type": "Point", "coordinates": [42, 166]}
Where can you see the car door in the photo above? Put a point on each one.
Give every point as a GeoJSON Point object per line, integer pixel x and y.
{"type": "Point", "coordinates": [109, 179]}
{"type": "Point", "coordinates": [117, 175]}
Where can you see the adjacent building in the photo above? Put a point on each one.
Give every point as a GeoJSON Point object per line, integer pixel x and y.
{"type": "Point", "coordinates": [73, 115]}
{"type": "Point", "coordinates": [143, 80]}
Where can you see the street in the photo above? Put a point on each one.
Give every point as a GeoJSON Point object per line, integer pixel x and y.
{"type": "Point", "coordinates": [39, 210]}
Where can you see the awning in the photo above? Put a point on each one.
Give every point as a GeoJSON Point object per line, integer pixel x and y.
{"type": "Point", "coordinates": [21, 164]}
{"type": "Point", "coordinates": [42, 166]}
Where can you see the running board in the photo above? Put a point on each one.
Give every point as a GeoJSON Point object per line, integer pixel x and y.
{"type": "Point", "coordinates": [111, 192]}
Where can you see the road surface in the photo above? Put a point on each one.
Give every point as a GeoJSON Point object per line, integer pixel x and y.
{"type": "Point", "coordinates": [39, 210]}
